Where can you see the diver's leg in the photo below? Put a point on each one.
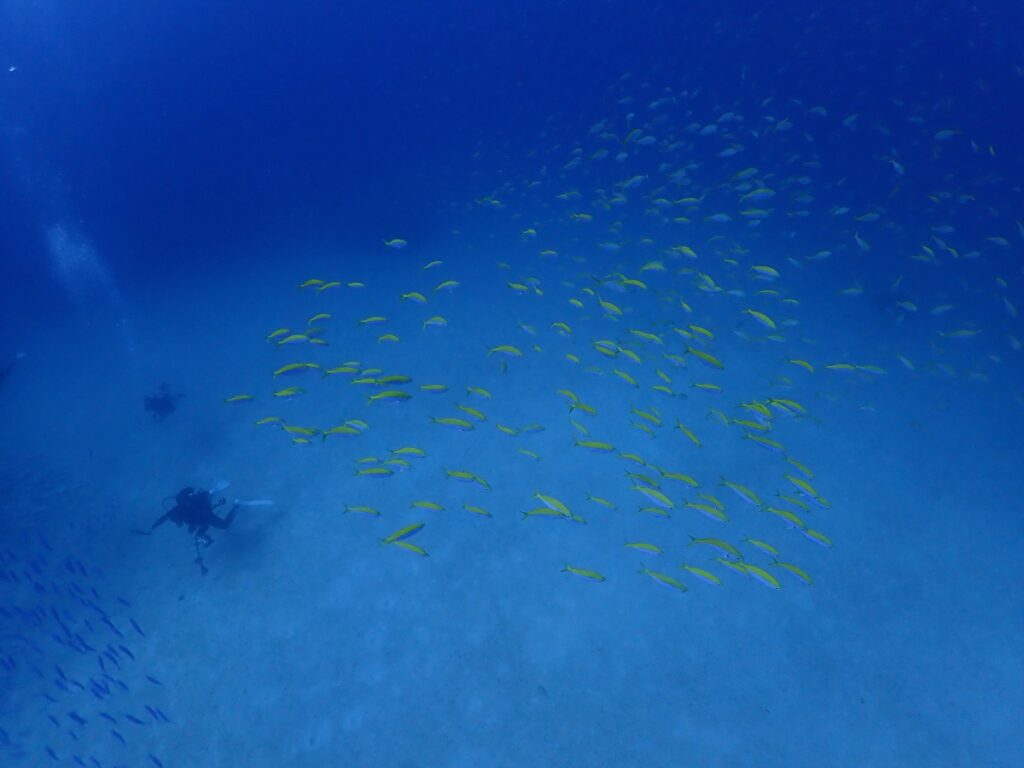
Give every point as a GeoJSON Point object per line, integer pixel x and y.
{"type": "Point", "coordinates": [201, 541]}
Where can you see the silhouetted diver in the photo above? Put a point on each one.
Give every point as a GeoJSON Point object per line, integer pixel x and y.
{"type": "Point", "coordinates": [195, 509]}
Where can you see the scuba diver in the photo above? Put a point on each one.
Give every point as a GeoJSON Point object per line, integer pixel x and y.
{"type": "Point", "coordinates": [7, 367]}
{"type": "Point", "coordinates": [195, 509]}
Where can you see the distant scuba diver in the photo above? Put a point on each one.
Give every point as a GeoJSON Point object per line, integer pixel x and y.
{"type": "Point", "coordinates": [195, 509]}
{"type": "Point", "coordinates": [6, 368]}
{"type": "Point", "coordinates": [163, 402]}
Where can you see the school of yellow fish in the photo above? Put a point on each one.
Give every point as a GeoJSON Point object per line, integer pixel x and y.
{"type": "Point", "coordinates": [656, 307]}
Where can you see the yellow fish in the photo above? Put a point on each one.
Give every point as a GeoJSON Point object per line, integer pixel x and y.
{"type": "Point", "coordinates": [410, 547]}
{"type": "Point", "coordinates": [664, 578]}
{"type": "Point", "coordinates": [706, 358]}
{"type": "Point", "coordinates": [701, 574]}
{"type": "Point", "coordinates": [686, 431]}
{"type": "Point", "coordinates": [403, 533]}
{"type": "Point", "coordinates": [505, 349]}
{"type": "Point", "coordinates": [583, 573]}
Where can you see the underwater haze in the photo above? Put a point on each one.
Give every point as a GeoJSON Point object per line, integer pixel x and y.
{"type": "Point", "coordinates": [560, 384]}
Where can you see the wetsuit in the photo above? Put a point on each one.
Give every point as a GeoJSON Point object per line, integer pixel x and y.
{"type": "Point", "coordinates": [194, 509]}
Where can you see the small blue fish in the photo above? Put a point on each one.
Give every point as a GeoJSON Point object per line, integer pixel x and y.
{"type": "Point", "coordinates": [113, 629]}
{"type": "Point", "coordinates": [77, 717]}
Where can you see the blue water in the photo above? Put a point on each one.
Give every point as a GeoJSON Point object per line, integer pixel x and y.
{"type": "Point", "coordinates": [736, 288]}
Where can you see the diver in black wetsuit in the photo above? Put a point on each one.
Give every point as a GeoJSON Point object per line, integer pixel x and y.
{"type": "Point", "coordinates": [194, 509]}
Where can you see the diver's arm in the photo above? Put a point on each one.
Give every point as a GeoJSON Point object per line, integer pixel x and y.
{"type": "Point", "coordinates": [160, 521]}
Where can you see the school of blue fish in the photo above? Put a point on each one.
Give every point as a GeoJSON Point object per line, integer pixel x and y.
{"type": "Point", "coordinates": [66, 655]}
